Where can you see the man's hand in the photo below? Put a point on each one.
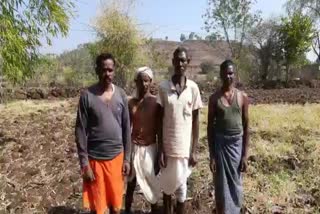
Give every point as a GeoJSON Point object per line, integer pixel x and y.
{"type": "Point", "coordinates": [163, 160]}
{"type": "Point", "coordinates": [192, 160]}
{"type": "Point", "coordinates": [88, 175]}
{"type": "Point", "coordinates": [126, 168]}
{"type": "Point", "coordinates": [243, 164]}
{"type": "Point", "coordinates": [212, 165]}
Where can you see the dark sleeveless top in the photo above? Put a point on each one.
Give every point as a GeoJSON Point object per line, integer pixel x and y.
{"type": "Point", "coordinates": [229, 118]}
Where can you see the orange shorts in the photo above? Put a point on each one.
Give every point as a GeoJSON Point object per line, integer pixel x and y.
{"type": "Point", "coordinates": [107, 189]}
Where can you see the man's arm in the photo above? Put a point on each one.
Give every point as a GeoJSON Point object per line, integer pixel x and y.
{"type": "Point", "coordinates": [126, 131]}
{"type": "Point", "coordinates": [130, 107]}
{"type": "Point", "coordinates": [245, 122]}
{"type": "Point", "coordinates": [195, 131]}
{"type": "Point", "coordinates": [161, 105]}
{"type": "Point", "coordinates": [160, 112]}
{"type": "Point", "coordinates": [81, 131]}
{"type": "Point", "coordinates": [196, 106]}
{"type": "Point", "coordinates": [210, 125]}
{"type": "Point", "coordinates": [160, 115]}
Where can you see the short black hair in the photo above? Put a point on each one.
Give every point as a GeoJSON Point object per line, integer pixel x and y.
{"type": "Point", "coordinates": [225, 65]}
{"type": "Point", "coordinates": [102, 57]}
{"type": "Point", "coordinates": [180, 49]}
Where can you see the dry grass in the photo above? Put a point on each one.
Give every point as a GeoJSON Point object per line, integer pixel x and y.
{"type": "Point", "coordinates": [26, 107]}
{"type": "Point", "coordinates": [39, 166]}
{"type": "Point", "coordinates": [284, 159]}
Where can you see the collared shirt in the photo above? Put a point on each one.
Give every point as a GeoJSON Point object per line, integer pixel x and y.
{"type": "Point", "coordinates": [177, 121]}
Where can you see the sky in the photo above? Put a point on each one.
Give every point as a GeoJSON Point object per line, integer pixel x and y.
{"type": "Point", "coordinates": [156, 19]}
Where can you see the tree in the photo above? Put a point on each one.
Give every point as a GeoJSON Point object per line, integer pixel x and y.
{"type": "Point", "coordinates": [78, 59]}
{"type": "Point", "coordinates": [213, 37]}
{"type": "Point", "coordinates": [309, 8]}
{"type": "Point", "coordinates": [294, 41]}
{"type": "Point", "coordinates": [194, 36]}
{"type": "Point", "coordinates": [119, 35]}
{"type": "Point", "coordinates": [24, 23]}
{"type": "Point", "coordinates": [191, 35]}
{"type": "Point", "coordinates": [182, 38]}
{"type": "Point", "coordinates": [316, 46]}
{"type": "Point", "coordinates": [265, 40]}
{"type": "Point", "coordinates": [232, 19]}
{"type": "Point", "coordinates": [197, 37]}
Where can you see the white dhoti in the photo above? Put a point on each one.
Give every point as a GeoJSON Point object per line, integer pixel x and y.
{"type": "Point", "coordinates": [173, 178]}
{"type": "Point", "coordinates": [143, 160]}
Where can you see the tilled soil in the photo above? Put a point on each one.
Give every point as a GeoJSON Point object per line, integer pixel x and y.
{"type": "Point", "coordinates": [39, 165]}
{"type": "Point", "coordinates": [39, 170]}
{"type": "Point", "coordinates": [272, 96]}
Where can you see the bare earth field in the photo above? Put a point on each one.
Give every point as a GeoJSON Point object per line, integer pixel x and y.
{"type": "Point", "coordinates": [39, 171]}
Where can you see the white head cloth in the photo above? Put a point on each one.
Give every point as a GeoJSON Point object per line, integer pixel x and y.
{"type": "Point", "coordinates": [144, 70]}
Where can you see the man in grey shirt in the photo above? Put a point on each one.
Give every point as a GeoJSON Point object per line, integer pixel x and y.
{"type": "Point", "coordinates": [103, 140]}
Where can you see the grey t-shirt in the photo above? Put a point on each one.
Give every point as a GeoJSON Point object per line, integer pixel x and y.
{"type": "Point", "coordinates": [102, 130]}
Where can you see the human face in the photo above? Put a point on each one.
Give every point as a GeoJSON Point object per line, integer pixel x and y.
{"type": "Point", "coordinates": [228, 75]}
{"type": "Point", "coordinates": [180, 63]}
{"type": "Point", "coordinates": [106, 71]}
{"type": "Point", "coordinates": [143, 83]}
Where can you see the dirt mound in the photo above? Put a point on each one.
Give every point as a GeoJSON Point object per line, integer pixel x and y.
{"type": "Point", "coordinates": [275, 84]}
{"type": "Point", "coordinates": [37, 93]}
{"type": "Point", "coordinates": [263, 96]}
{"type": "Point", "coordinates": [300, 95]}
{"type": "Point", "coordinates": [291, 96]}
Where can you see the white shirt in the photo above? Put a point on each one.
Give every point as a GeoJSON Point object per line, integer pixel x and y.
{"type": "Point", "coordinates": [177, 121]}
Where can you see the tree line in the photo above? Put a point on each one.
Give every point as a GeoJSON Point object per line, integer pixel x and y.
{"type": "Point", "coordinates": [261, 48]}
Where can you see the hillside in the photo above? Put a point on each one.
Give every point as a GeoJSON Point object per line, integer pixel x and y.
{"type": "Point", "coordinates": [200, 51]}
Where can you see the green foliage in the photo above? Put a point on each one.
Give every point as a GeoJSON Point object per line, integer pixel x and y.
{"type": "Point", "coordinates": [310, 8]}
{"type": "Point", "coordinates": [53, 70]}
{"type": "Point", "coordinates": [78, 66]}
{"type": "Point", "coordinates": [23, 25]}
{"type": "Point", "coordinates": [295, 42]}
{"type": "Point", "coordinates": [44, 71]}
{"type": "Point", "coordinates": [120, 36]}
{"type": "Point", "coordinates": [79, 59]}
{"type": "Point", "coordinates": [247, 67]}
{"type": "Point", "coordinates": [265, 46]}
{"type": "Point", "coordinates": [213, 37]}
{"type": "Point", "coordinates": [232, 19]}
